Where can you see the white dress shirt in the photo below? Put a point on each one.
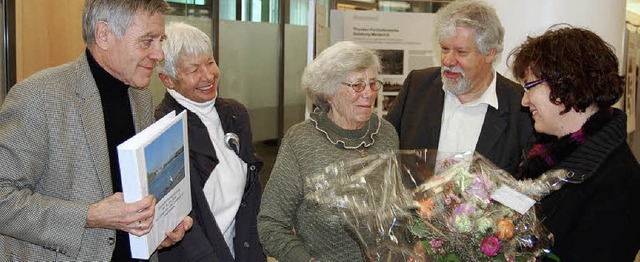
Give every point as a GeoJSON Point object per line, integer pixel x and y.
{"type": "Point", "coordinates": [462, 123]}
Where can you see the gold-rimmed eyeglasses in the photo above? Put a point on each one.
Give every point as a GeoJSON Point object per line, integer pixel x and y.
{"type": "Point", "coordinates": [360, 85]}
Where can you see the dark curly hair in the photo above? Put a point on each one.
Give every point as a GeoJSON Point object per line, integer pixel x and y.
{"type": "Point", "coordinates": [580, 68]}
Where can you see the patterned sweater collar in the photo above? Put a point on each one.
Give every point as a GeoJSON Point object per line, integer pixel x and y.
{"type": "Point", "coordinates": [343, 138]}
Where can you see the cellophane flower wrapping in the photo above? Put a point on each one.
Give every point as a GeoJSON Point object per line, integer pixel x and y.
{"type": "Point", "coordinates": [416, 205]}
{"type": "Point", "coordinates": [375, 205]}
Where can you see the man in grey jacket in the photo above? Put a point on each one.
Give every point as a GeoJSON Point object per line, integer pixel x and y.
{"type": "Point", "coordinates": [58, 135]}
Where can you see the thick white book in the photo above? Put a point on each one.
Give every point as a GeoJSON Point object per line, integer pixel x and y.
{"type": "Point", "coordinates": [156, 161]}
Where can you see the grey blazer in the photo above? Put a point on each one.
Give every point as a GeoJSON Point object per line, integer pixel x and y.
{"type": "Point", "coordinates": [416, 114]}
{"type": "Point", "coordinates": [54, 163]}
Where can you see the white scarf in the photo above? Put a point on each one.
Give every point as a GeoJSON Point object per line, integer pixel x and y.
{"type": "Point", "coordinates": [225, 187]}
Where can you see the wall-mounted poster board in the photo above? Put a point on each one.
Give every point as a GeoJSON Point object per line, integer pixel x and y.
{"type": "Point", "coordinates": [404, 42]}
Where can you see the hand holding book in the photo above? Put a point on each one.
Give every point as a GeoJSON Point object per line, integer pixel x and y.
{"type": "Point", "coordinates": [155, 164]}
{"type": "Point", "coordinates": [112, 212]}
{"type": "Point", "coordinates": [177, 234]}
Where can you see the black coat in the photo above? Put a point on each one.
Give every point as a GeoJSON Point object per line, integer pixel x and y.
{"type": "Point", "coordinates": [416, 114]}
{"type": "Point", "coordinates": [598, 219]}
{"type": "Point", "coordinates": [205, 242]}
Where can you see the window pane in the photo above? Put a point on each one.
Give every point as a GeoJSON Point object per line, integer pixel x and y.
{"type": "Point", "coordinates": [299, 12]}
{"type": "Point", "coordinates": [294, 64]}
{"type": "Point", "coordinates": [196, 2]}
{"type": "Point", "coordinates": [248, 72]}
{"type": "Point", "coordinates": [228, 10]}
{"type": "Point", "coordinates": [259, 11]}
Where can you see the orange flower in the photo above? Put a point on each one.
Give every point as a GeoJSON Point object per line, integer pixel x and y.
{"type": "Point", "coordinates": [419, 253]}
{"type": "Point", "coordinates": [426, 205]}
{"type": "Point", "coordinates": [505, 229]}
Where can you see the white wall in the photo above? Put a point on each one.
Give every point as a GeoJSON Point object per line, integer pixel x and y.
{"type": "Point", "coordinates": [522, 18]}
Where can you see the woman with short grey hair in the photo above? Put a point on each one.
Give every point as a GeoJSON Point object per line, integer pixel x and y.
{"type": "Point", "coordinates": [225, 189]}
{"type": "Point", "coordinates": [343, 83]}
{"type": "Point", "coordinates": [322, 78]}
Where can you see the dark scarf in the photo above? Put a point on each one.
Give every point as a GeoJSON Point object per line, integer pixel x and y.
{"type": "Point", "coordinates": [549, 150]}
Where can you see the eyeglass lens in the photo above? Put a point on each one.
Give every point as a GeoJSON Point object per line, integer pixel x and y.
{"type": "Point", "coordinates": [359, 86]}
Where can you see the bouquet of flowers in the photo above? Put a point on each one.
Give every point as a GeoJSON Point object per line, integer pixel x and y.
{"type": "Point", "coordinates": [405, 205]}
{"type": "Point", "coordinates": [475, 214]}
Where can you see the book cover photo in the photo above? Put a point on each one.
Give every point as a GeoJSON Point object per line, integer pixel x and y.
{"type": "Point", "coordinates": [156, 161]}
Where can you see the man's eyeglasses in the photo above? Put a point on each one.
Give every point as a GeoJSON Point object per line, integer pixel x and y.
{"type": "Point", "coordinates": [531, 84]}
{"type": "Point", "coordinates": [360, 85]}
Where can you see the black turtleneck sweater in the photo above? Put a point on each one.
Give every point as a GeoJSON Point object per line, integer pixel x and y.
{"type": "Point", "coordinates": [118, 125]}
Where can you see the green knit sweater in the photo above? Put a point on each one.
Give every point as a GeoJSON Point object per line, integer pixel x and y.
{"type": "Point", "coordinates": [292, 228]}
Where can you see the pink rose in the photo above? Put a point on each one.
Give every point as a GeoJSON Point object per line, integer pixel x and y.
{"type": "Point", "coordinates": [490, 246]}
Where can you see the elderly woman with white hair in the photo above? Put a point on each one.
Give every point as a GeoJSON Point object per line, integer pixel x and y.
{"type": "Point", "coordinates": [343, 83]}
{"type": "Point", "coordinates": [225, 188]}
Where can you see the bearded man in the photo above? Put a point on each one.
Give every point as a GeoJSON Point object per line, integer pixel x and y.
{"type": "Point", "coordinates": [464, 105]}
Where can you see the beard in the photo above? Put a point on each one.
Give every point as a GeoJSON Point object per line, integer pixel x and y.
{"type": "Point", "coordinates": [457, 87]}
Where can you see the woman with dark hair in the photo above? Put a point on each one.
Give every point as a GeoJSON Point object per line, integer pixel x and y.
{"type": "Point", "coordinates": [571, 81]}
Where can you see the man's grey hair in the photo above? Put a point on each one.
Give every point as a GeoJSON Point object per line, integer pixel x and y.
{"type": "Point", "coordinates": [182, 40]}
{"type": "Point", "coordinates": [117, 13]}
{"type": "Point", "coordinates": [322, 78]}
{"type": "Point", "coordinates": [475, 15]}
